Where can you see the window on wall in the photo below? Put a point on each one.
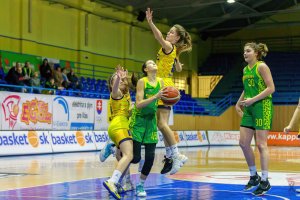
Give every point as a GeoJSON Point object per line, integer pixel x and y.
{"type": "Point", "coordinates": [180, 83]}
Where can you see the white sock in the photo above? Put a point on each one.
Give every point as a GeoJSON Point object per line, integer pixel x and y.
{"type": "Point", "coordinates": [174, 149]}
{"type": "Point", "coordinates": [264, 175]}
{"type": "Point", "coordinates": [168, 152]}
{"type": "Point", "coordinates": [116, 176]}
{"type": "Point", "coordinates": [252, 170]}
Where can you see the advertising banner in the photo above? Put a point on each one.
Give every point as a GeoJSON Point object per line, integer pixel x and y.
{"type": "Point", "coordinates": [71, 113]}
{"type": "Point", "coordinates": [22, 111]}
{"type": "Point", "coordinates": [180, 138]}
{"type": "Point", "coordinates": [196, 138]}
{"type": "Point", "coordinates": [100, 138]}
{"type": "Point", "coordinates": [224, 137]}
{"type": "Point", "coordinates": [101, 114]}
{"type": "Point", "coordinates": [283, 139]}
{"type": "Point", "coordinates": [24, 142]}
{"type": "Point", "coordinates": [68, 141]}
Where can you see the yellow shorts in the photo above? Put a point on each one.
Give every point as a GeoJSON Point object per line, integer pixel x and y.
{"type": "Point", "coordinates": [167, 82]}
{"type": "Point", "coordinates": [119, 135]}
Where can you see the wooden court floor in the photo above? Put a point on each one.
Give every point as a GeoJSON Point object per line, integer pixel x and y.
{"type": "Point", "coordinates": [210, 173]}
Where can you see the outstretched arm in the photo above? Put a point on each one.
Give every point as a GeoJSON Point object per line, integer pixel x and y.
{"type": "Point", "coordinates": [166, 45]}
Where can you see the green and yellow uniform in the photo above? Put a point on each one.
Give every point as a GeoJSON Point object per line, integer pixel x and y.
{"type": "Point", "coordinates": [165, 67]}
{"type": "Point", "coordinates": [143, 122]}
{"type": "Point", "coordinates": [118, 129]}
{"type": "Point", "coordinates": [259, 115]}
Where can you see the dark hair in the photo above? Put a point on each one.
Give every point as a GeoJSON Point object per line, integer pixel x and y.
{"type": "Point", "coordinates": [143, 68]}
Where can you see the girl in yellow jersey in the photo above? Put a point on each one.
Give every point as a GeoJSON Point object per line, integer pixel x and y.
{"type": "Point", "coordinates": [118, 129]}
{"type": "Point", "coordinates": [178, 40]}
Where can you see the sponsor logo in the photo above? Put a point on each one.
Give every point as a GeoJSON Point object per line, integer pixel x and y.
{"type": "Point", "coordinates": [100, 137]}
{"type": "Point", "coordinates": [191, 136]}
{"type": "Point", "coordinates": [31, 138]}
{"type": "Point", "coordinates": [10, 107]}
{"type": "Point", "coordinates": [75, 138]}
{"type": "Point", "coordinates": [200, 138]}
{"type": "Point", "coordinates": [62, 102]}
{"type": "Point", "coordinates": [99, 106]}
{"type": "Point", "coordinates": [35, 111]}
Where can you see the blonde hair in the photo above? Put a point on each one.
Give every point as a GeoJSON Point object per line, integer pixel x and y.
{"type": "Point", "coordinates": [185, 41]}
{"type": "Point", "coordinates": [261, 49]}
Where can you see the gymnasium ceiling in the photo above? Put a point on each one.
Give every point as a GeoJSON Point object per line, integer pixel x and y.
{"type": "Point", "coordinates": [215, 18]}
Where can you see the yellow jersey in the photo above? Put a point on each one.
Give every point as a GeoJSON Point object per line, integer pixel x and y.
{"type": "Point", "coordinates": [119, 109]}
{"type": "Point", "coordinates": [166, 63]}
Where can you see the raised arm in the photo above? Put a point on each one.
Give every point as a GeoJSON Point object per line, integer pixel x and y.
{"type": "Point", "coordinates": [166, 45]}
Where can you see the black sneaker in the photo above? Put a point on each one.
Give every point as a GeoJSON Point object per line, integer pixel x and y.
{"type": "Point", "coordinates": [167, 166]}
{"type": "Point", "coordinates": [254, 181]}
{"type": "Point", "coordinates": [263, 187]}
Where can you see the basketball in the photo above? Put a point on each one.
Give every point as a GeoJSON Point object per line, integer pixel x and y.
{"type": "Point", "coordinates": [171, 95]}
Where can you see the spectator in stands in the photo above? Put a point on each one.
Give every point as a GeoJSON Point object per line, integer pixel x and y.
{"type": "Point", "coordinates": [75, 83]}
{"type": "Point", "coordinates": [66, 83]}
{"type": "Point", "coordinates": [27, 73]}
{"type": "Point", "coordinates": [16, 78]}
{"type": "Point", "coordinates": [45, 71]}
{"type": "Point", "coordinates": [10, 74]}
{"type": "Point", "coordinates": [294, 120]}
{"type": "Point", "coordinates": [177, 41]}
{"type": "Point", "coordinates": [257, 113]}
{"type": "Point", "coordinates": [58, 77]}
{"type": "Point", "coordinates": [51, 85]}
{"type": "Point", "coordinates": [35, 82]}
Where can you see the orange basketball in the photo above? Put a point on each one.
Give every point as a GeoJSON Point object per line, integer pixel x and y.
{"type": "Point", "coordinates": [33, 138]}
{"type": "Point", "coordinates": [171, 95]}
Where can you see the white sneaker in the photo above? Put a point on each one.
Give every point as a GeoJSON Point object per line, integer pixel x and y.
{"type": "Point", "coordinates": [183, 159]}
{"type": "Point", "coordinates": [176, 165]}
{"type": "Point", "coordinates": [140, 192]}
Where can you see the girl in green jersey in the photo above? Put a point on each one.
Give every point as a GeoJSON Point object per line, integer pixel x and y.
{"type": "Point", "coordinates": [256, 109]}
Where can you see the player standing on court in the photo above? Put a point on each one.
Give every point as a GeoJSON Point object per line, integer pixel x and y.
{"type": "Point", "coordinates": [178, 40]}
{"type": "Point", "coordinates": [257, 113]}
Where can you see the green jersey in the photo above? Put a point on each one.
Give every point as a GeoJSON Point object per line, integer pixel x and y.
{"type": "Point", "coordinates": [259, 115]}
{"type": "Point", "coordinates": [253, 82]}
{"type": "Point", "coordinates": [143, 122]}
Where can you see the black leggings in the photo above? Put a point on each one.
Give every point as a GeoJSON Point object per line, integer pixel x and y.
{"type": "Point", "coordinates": [149, 155]}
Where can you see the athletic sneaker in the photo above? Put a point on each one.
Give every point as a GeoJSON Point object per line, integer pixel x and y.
{"type": "Point", "coordinates": [183, 159]}
{"type": "Point", "coordinates": [167, 166]}
{"type": "Point", "coordinates": [263, 187]}
{"type": "Point", "coordinates": [107, 150]}
{"type": "Point", "coordinates": [253, 182]}
{"type": "Point", "coordinates": [177, 164]}
{"type": "Point", "coordinates": [141, 164]}
{"type": "Point", "coordinates": [140, 192]}
{"type": "Point", "coordinates": [112, 189]}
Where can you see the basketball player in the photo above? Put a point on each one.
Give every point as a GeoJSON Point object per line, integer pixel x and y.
{"type": "Point", "coordinates": [257, 113]}
{"type": "Point", "coordinates": [118, 129]}
{"type": "Point", "coordinates": [143, 122]}
{"type": "Point", "coordinates": [294, 120]}
{"type": "Point", "coordinates": [178, 40]}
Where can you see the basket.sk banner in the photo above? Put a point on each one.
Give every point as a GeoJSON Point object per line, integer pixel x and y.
{"type": "Point", "coordinates": [70, 113]}
{"type": "Point", "coordinates": [25, 111]}
{"type": "Point", "coordinates": [24, 142]}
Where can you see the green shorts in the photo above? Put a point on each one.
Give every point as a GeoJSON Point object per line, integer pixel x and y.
{"type": "Point", "coordinates": [144, 129]}
{"type": "Point", "coordinates": [259, 115]}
